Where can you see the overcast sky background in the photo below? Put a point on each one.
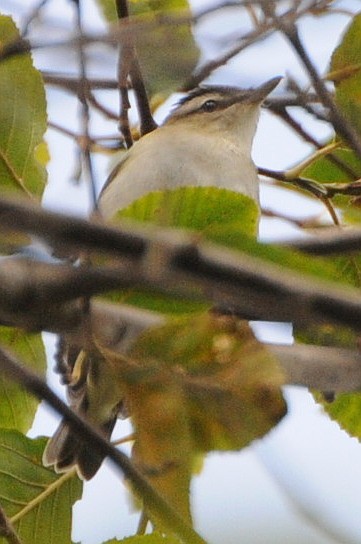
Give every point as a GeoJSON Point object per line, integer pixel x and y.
{"type": "Point", "coordinates": [303, 480]}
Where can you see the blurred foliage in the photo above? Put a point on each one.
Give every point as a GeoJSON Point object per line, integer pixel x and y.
{"type": "Point", "coordinates": [165, 46]}
{"type": "Point", "coordinates": [346, 72]}
{"type": "Point", "coordinates": [194, 385]}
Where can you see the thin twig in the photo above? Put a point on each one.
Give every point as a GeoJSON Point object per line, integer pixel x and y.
{"type": "Point", "coordinates": [205, 71]}
{"type": "Point", "coordinates": [71, 82]}
{"type": "Point", "coordinates": [290, 30]}
{"type": "Point", "coordinates": [281, 112]}
{"type": "Point", "coordinates": [350, 189]}
{"type": "Point", "coordinates": [129, 65]}
{"type": "Point", "coordinates": [95, 140]}
{"type": "Point", "coordinates": [100, 107]}
{"type": "Point", "coordinates": [263, 30]}
{"type": "Point", "coordinates": [321, 191]}
{"type": "Point", "coordinates": [85, 113]}
{"type": "Point", "coordinates": [34, 14]}
{"type": "Point", "coordinates": [331, 210]}
{"type": "Point", "coordinates": [307, 223]}
{"type": "Point", "coordinates": [7, 531]}
{"type": "Point", "coordinates": [309, 185]}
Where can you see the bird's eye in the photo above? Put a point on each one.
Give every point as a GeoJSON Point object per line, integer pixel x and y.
{"type": "Point", "coordinates": [209, 105]}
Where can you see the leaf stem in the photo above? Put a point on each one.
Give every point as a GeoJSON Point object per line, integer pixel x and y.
{"type": "Point", "coordinates": [43, 495]}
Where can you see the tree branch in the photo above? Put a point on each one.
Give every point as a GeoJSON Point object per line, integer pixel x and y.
{"type": "Point", "coordinates": [129, 64]}
{"type": "Point", "coordinates": [114, 325]}
{"type": "Point", "coordinates": [172, 263]}
{"type": "Point", "coordinates": [290, 31]}
{"type": "Point", "coordinates": [83, 92]}
{"type": "Point", "coordinates": [330, 242]}
{"type": "Point", "coordinates": [319, 367]}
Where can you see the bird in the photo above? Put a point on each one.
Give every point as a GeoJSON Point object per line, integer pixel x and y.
{"type": "Point", "coordinates": [206, 141]}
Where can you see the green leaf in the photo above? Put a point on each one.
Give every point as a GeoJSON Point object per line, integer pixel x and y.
{"type": "Point", "coordinates": [230, 219]}
{"type": "Point", "coordinates": [345, 63]}
{"type": "Point", "coordinates": [36, 500]}
{"type": "Point", "coordinates": [22, 119]}
{"type": "Point", "coordinates": [194, 385]}
{"type": "Point", "coordinates": [229, 380]}
{"type": "Point", "coordinates": [324, 170]}
{"type": "Point", "coordinates": [18, 406]}
{"type": "Point", "coordinates": [218, 214]}
{"type": "Point", "coordinates": [346, 410]}
{"type": "Point", "coordinates": [109, 9]}
{"type": "Point", "coordinates": [141, 7]}
{"type": "Point", "coordinates": [166, 51]}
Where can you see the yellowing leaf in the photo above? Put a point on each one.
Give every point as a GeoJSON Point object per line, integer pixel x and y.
{"type": "Point", "coordinates": [108, 8]}
{"type": "Point", "coordinates": [167, 51]}
{"type": "Point", "coordinates": [346, 60]}
{"type": "Point", "coordinates": [167, 54]}
{"type": "Point", "coordinates": [22, 119]}
{"type": "Point", "coordinates": [140, 7]}
{"type": "Point", "coordinates": [195, 385]}
{"type": "Point", "coordinates": [163, 446]}
{"type": "Point", "coordinates": [41, 153]}
{"type": "Point", "coordinates": [37, 501]}
{"type": "Point", "coordinates": [230, 381]}
{"type": "Point", "coordinates": [18, 406]}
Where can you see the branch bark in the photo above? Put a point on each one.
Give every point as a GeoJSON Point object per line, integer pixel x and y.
{"type": "Point", "coordinates": [168, 262]}
{"type": "Point", "coordinates": [323, 368]}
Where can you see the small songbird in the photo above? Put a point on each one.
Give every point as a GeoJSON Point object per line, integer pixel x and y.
{"type": "Point", "coordinates": [205, 142]}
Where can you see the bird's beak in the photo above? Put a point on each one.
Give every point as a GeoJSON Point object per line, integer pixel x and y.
{"type": "Point", "coordinates": [257, 95]}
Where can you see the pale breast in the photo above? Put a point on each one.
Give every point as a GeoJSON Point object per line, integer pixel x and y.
{"type": "Point", "coordinates": [167, 159]}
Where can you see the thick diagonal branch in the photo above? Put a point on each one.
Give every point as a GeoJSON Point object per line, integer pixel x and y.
{"type": "Point", "coordinates": [172, 263]}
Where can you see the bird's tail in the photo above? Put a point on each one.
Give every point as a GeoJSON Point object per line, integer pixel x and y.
{"type": "Point", "coordinates": [66, 450]}
{"type": "Point", "coordinates": [92, 394]}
